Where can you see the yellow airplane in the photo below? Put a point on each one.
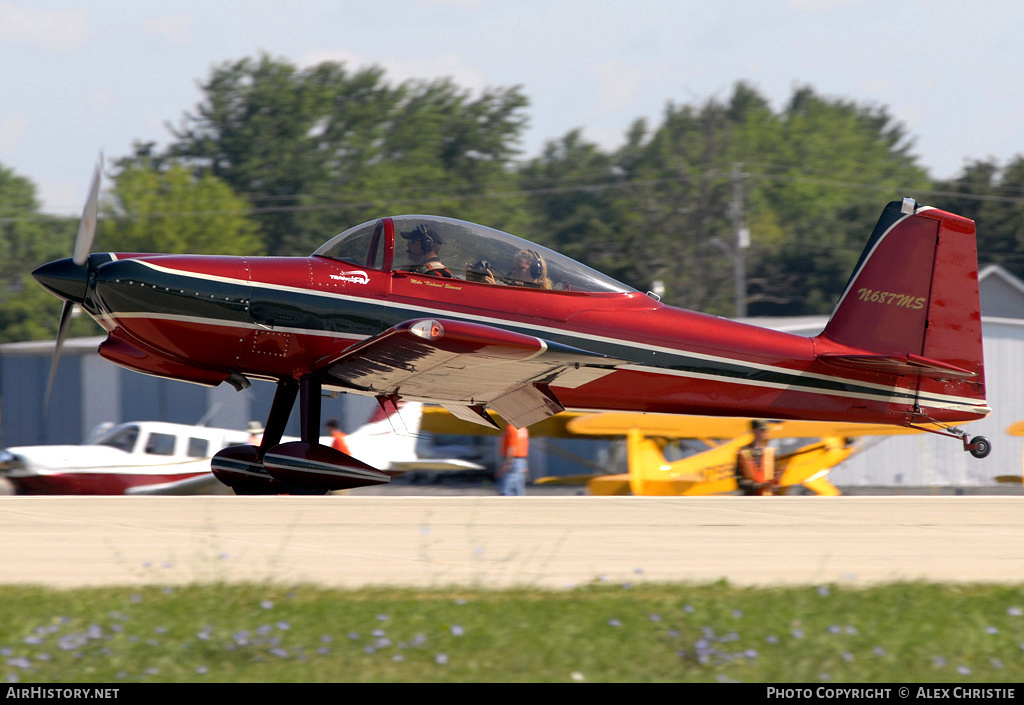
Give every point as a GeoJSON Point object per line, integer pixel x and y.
{"type": "Point", "coordinates": [1014, 429]}
{"type": "Point", "coordinates": [707, 472]}
{"type": "Point", "coordinates": [713, 471]}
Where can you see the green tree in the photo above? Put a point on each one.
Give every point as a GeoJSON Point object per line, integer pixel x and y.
{"type": "Point", "coordinates": [811, 181]}
{"type": "Point", "coordinates": [28, 239]}
{"type": "Point", "coordinates": [571, 193]}
{"type": "Point", "coordinates": [318, 150]}
{"type": "Point", "coordinates": [834, 166]}
{"type": "Point", "coordinates": [993, 196]}
{"type": "Point", "coordinates": [171, 210]}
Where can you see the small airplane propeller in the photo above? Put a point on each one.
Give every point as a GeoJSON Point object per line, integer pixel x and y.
{"type": "Point", "coordinates": [83, 245]}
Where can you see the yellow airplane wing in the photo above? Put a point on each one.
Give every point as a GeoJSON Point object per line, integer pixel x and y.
{"type": "Point", "coordinates": [607, 485]}
{"type": "Point", "coordinates": [611, 424]}
{"type": "Point", "coordinates": [566, 479]}
{"type": "Point", "coordinates": [1016, 429]}
{"type": "Point", "coordinates": [438, 420]}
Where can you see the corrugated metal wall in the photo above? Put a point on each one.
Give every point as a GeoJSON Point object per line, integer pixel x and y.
{"type": "Point", "coordinates": [928, 460]}
{"type": "Point", "coordinates": [89, 391]}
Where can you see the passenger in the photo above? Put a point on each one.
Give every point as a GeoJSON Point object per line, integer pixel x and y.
{"type": "Point", "coordinates": [482, 271]}
{"type": "Point", "coordinates": [529, 269]}
{"type": "Point", "coordinates": [422, 249]}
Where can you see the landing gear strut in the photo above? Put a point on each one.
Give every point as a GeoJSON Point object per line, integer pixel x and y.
{"type": "Point", "coordinates": [303, 467]}
{"type": "Point", "coordinates": [979, 446]}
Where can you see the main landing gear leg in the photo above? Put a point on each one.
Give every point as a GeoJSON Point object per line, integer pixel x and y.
{"type": "Point", "coordinates": [280, 410]}
{"type": "Point", "coordinates": [310, 407]}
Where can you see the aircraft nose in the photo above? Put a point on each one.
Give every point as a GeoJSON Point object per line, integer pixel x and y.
{"type": "Point", "coordinates": [65, 279]}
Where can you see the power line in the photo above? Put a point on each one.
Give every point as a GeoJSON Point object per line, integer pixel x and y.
{"type": "Point", "coordinates": [604, 181]}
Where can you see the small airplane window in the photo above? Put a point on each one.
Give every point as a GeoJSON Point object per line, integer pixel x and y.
{"type": "Point", "coordinates": [353, 245]}
{"type": "Point", "coordinates": [123, 438]}
{"type": "Point", "coordinates": [160, 444]}
{"type": "Point", "coordinates": [197, 447]}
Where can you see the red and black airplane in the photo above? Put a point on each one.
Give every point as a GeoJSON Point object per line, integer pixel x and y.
{"type": "Point", "coordinates": [439, 310]}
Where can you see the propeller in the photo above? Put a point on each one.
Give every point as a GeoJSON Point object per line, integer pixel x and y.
{"type": "Point", "coordinates": [83, 245]}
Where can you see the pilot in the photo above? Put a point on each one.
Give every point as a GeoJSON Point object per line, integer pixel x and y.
{"type": "Point", "coordinates": [422, 249]}
{"type": "Point", "coordinates": [755, 464]}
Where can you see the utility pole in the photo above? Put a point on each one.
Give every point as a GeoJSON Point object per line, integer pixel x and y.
{"type": "Point", "coordinates": [742, 242]}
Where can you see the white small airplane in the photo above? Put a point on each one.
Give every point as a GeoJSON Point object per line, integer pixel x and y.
{"type": "Point", "coordinates": [152, 457]}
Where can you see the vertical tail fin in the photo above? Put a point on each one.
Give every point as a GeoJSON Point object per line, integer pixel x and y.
{"type": "Point", "coordinates": [911, 306]}
{"type": "Point", "coordinates": [385, 440]}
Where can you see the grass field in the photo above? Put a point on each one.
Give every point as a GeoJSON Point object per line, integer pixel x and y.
{"type": "Point", "coordinates": [601, 633]}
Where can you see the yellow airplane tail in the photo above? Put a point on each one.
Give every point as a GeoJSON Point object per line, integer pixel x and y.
{"type": "Point", "coordinates": [810, 464]}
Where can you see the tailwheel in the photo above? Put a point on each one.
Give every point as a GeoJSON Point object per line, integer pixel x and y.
{"type": "Point", "coordinates": [979, 447]}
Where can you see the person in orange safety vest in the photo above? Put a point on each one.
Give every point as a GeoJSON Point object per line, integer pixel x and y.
{"type": "Point", "coordinates": [511, 474]}
{"type": "Point", "coordinates": [334, 428]}
{"type": "Point", "coordinates": [755, 464]}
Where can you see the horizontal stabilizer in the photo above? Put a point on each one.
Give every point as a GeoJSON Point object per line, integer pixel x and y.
{"type": "Point", "coordinates": [899, 364]}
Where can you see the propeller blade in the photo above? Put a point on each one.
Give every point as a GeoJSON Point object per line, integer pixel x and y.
{"type": "Point", "coordinates": [62, 332]}
{"type": "Point", "coordinates": [87, 225]}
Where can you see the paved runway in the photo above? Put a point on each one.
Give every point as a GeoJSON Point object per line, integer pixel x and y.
{"type": "Point", "coordinates": [487, 541]}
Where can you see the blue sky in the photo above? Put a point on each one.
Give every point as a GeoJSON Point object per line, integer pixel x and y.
{"type": "Point", "coordinates": [82, 77]}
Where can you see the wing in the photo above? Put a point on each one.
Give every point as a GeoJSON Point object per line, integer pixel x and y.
{"type": "Point", "coordinates": [439, 420]}
{"type": "Point", "coordinates": [712, 427]}
{"type": "Point", "coordinates": [433, 465]}
{"type": "Point", "coordinates": [466, 367]}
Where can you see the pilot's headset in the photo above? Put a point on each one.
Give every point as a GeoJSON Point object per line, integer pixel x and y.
{"type": "Point", "coordinates": [428, 238]}
{"type": "Point", "coordinates": [536, 265]}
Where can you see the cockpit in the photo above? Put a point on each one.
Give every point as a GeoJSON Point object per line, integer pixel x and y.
{"type": "Point", "coordinates": [432, 245]}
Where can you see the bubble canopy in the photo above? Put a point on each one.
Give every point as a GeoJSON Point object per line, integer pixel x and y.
{"type": "Point", "coordinates": [470, 252]}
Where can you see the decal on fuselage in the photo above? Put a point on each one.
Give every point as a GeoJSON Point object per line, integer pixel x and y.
{"type": "Point", "coordinates": [356, 277]}
{"type": "Point", "coordinates": [888, 298]}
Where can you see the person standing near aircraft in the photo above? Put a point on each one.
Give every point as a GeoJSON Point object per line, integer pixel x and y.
{"type": "Point", "coordinates": [422, 249]}
{"type": "Point", "coordinates": [255, 429]}
{"type": "Point", "coordinates": [755, 464]}
{"type": "Point", "coordinates": [334, 428]}
{"type": "Point", "coordinates": [515, 451]}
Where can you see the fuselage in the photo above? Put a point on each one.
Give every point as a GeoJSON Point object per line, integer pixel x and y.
{"type": "Point", "coordinates": [209, 319]}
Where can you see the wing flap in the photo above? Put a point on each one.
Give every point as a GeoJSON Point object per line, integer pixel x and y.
{"type": "Point", "coordinates": [462, 364]}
